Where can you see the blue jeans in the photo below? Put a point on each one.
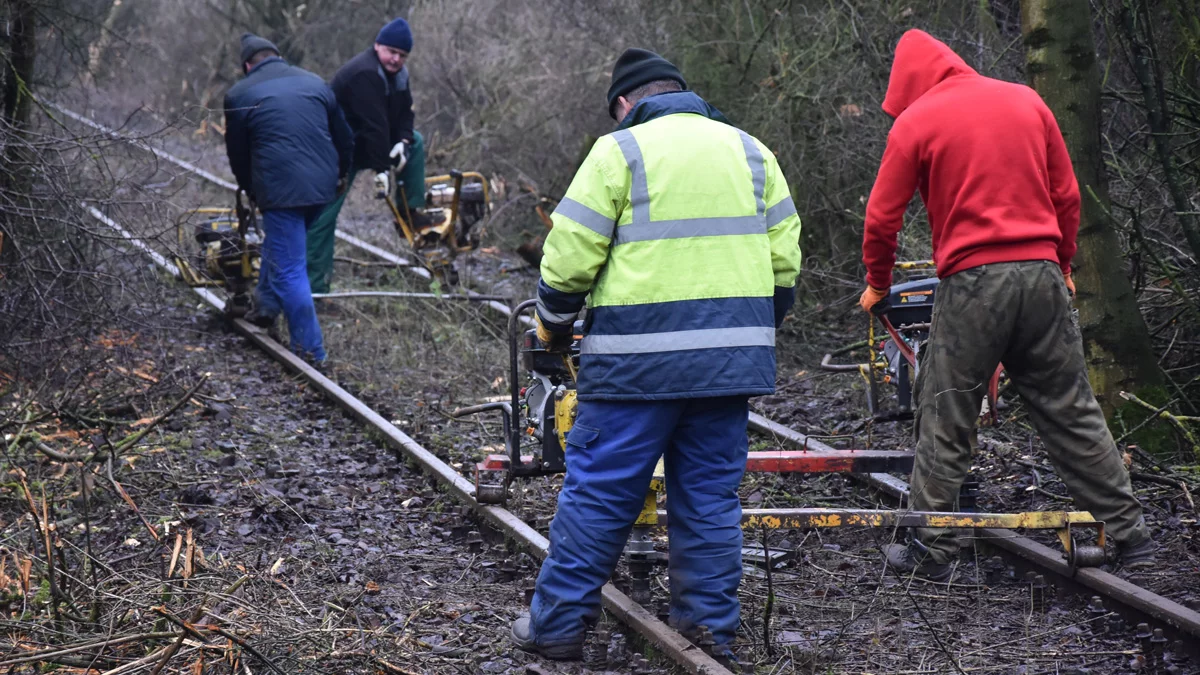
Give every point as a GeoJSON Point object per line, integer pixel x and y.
{"type": "Point", "coordinates": [283, 278]}
{"type": "Point", "coordinates": [611, 453]}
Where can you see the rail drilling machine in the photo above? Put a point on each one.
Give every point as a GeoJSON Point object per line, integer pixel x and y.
{"type": "Point", "coordinates": [230, 252]}
{"type": "Point", "coordinates": [906, 316]}
{"type": "Point", "coordinates": [456, 203]}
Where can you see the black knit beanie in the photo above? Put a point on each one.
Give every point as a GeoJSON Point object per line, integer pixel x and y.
{"type": "Point", "coordinates": [252, 44]}
{"type": "Point", "coordinates": [637, 67]}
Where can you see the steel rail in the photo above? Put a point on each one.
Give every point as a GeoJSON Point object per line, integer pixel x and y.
{"type": "Point", "coordinates": [210, 177]}
{"type": "Point", "coordinates": [220, 182]}
{"type": "Point", "coordinates": [674, 645]}
{"type": "Point", "coordinates": [349, 295]}
{"type": "Point", "coordinates": [1135, 599]}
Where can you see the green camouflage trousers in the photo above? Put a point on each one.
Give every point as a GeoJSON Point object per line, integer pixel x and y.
{"type": "Point", "coordinates": [1020, 314]}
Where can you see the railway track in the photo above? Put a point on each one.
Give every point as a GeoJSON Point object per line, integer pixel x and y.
{"type": "Point", "coordinates": [1136, 604]}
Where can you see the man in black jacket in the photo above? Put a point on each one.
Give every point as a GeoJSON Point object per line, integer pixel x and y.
{"type": "Point", "coordinates": [373, 90]}
{"type": "Point", "coordinates": [288, 144]}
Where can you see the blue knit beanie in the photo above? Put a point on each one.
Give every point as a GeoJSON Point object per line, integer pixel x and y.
{"type": "Point", "coordinates": [396, 34]}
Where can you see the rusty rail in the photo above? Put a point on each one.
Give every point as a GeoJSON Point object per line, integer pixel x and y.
{"type": "Point", "coordinates": [675, 646]}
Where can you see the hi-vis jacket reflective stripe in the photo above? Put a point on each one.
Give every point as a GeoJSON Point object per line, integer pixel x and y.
{"type": "Point", "coordinates": [682, 230]}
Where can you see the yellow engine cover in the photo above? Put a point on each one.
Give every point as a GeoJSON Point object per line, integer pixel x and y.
{"type": "Point", "coordinates": [564, 415]}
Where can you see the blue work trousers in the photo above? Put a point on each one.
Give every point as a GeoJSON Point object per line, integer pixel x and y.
{"type": "Point", "coordinates": [611, 454]}
{"type": "Point", "coordinates": [283, 278]}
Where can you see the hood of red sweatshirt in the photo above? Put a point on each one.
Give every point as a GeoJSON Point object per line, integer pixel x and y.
{"type": "Point", "coordinates": [921, 63]}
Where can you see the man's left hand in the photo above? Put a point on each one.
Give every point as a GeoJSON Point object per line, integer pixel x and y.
{"type": "Point", "coordinates": [1070, 283]}
{"type": "Point", "coordinates": [872, 296]}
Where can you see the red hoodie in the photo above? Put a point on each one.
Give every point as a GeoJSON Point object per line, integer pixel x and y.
{"type": "Point", "coordinates": [988, 159]}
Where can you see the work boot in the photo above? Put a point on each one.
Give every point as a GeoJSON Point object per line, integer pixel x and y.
{"type": "Point", "coordinates": [725, 656]}
{"type": "Point", "coordinates": [910, 559]}
{"type": "Point", "coordinates": [420, 221]}
{"type": "Point", "coordinates": [559, 650]}
{"type": "Point", "coordinates": [270, 323]}
{"type": "Point", "coordinates": [1138, 556]}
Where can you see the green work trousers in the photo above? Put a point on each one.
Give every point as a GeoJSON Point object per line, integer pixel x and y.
{"type": "Point", "coordinates": [1018, 313]}
{"type": "Point", "coordinates": [321, 234]}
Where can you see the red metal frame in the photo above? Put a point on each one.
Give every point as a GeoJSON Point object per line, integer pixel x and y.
{"type": "Point", "coordinates": [786, 461]}
{"type": "Point", "coordinates": [829, 461]}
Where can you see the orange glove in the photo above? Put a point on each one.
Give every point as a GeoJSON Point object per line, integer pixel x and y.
{"type": "Point", "coordinates": [1070, 283]}
{"type": "Point", "coordinates": [871, 297]}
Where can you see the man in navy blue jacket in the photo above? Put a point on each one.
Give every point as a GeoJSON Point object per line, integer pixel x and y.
{"type": "Point", "coordinates": [288, 145]}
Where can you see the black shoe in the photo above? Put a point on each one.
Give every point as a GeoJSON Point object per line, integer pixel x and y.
{"type": "Point", "coordinates": [420, 221]}
{"type": "Point", "coordinates": [270, 323]}
{"type": "Point", "coordinates": [909, 559]}
{"type": "Point", "coordinates": [726, 657]}
{"type": "Point", "coordinates": [559, 650]}
{"type": "Point", "coordinates": [1138, 556]}
{"type": "Point", "coordinates": [321, 367]}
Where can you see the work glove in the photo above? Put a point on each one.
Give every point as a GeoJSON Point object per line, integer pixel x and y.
{"type": "Point", "coordinates": [1070, 283]}
{"type": "Point", "coordinates": [555, 342]}
{"type": "Point", "coordinates": [399, 155]}
{"type": "Point", "coordinates": [871, 297]}
{"type": "Point", "coordinates": [381, 185]}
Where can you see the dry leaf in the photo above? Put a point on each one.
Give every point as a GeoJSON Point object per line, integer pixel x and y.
{"type": "Point", "coordinates": [850, 110]}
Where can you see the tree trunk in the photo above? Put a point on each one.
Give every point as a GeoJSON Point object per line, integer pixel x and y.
{"type": "Point", "coordinates": [18, 66]}
{"type": "Point", "coordinates": [1062, 67]}
{"type": "Point", "coordinates": [16, 177]}
{"type": "Point", "coordinates": [18, 60]}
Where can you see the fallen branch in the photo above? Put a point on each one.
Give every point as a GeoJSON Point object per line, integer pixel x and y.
{"type": "Point", "coordinates": [1163, 480]}
{"type": "Point", "coordinates": [134, 665]}
{"type": "Point", "coordinates": [127, 442]}
{"type": "Point", "coordinates": [130, 440]}
{"type": "Point", "coordinates": [132, 504]}
{"type": "Point", "coordinates": [1177, 421]}
{"type": "Point", "coordinates": [187, 630]}
{"type": "Point", "coordinates": [246, 645]}
{"type": "Point", "coordinates": [50, 654]}
{"type": "Point", "coordinates": [393, 668]}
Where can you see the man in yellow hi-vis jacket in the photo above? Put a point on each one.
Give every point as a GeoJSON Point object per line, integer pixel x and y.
{"type": "Point", "coordinates": [682, 230]}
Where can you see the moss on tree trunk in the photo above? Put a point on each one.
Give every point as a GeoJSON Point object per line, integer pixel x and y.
{"type": "Point", "coordinates": [1061, 65]}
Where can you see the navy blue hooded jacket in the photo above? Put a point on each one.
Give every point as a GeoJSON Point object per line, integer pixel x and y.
{"type": "Point", "coordinates": [287, 140]}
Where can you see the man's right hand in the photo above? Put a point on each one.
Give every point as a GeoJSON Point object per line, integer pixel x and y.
{"type": "Point", "coordinates": [1070, 283]}
{"type": "Point", "coordinates": [399, 155]}
{"type": "Point", "coordinates": [870, 297]}
{"type": "Point", "coordinates": [554, 342]}
{"type": "Point", "coordinates": [381, 185]}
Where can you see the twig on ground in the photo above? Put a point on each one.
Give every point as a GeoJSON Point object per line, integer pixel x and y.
{"type": "Point", "coordinates": [1163, 480]}
{"type": "Point", "coordinates": [1177, 421]}
{"type": "Point", "coordinates": [50, 654]}
{"type": "Point", "coordinates": [187, 630]}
